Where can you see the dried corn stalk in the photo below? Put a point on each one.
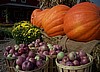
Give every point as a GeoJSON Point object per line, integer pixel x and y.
{"type": "Point", "coordinates": [96, 56]}
{"type": "Point", "coordinates": [50, 3]}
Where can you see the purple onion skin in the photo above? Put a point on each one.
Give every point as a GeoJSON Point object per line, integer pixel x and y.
{"type": "Point", "coordinates": [61, 62]}
{"type": "Point", "coordinates": [39, 63]}
{"type": "Point", "coordinates": [41, 43]}
{"type": "Point", "coordinates": [45, 53]}
{"type": "Point", "coordinates": [52, 52]}
{"type": "Point", "coordinates": [12, 51]}
{"type": "Point", "coordinates": [43, 57]}
{"type": "Point", "coordinates": [24, 56]}
{"type": "Point", "coordinates": [38, 41]}
{"type": "Point", "coordinates": [27, 66]}
{"type": "Point", "coordinates": [76, 63]}
{"type": "Point", "coordinates": [21, 50]}
{"type": "Point", "coordinates": [33, 42]}
{"type": "Point", "coordinates": [30, 45]}
{"type": "Point", "coordinates": [65, 59]}
{"type": "Point", "coordinates": [8, 48]}
{"type": "Point", "coordinates": [31, 54]}
{"type": "Point", "coordinates": [82, 53]}
{"type": "Point", "coordinates": [72, 55]}
{"type": "Point", "coordinates": [69, 63]}
{"type": "Point", "coordinates": [84, 57]}
{"type": "Point", "coordinates": [20, 60]}
{"type": "Point", "coordinates": [36, 44]}
{"type": "Point", "coordinates": [44, 47]}
{"type": "Point", "coordinates": [58, 51]}
{"type": "Point", "coordinates": [16, 53]}
{"type": "Point", "coordinates": [84, 61]}
{"type": "Point", "coordinates": [22, 45]}
{"type": "Point", "coordinates": [5, 53]}
{"type": "Point", "coordinates": [26, 49]}
{"type": "Point", "coordinates": [27, 58]}
{"type": "Point", "coordinates": [57, 47]}
{"type": "Point", "coordinates": [14, 56]}
{"type": "Point", "coordinates": [32, 60]}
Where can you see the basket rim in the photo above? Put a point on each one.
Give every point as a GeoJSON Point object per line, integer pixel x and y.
{"type": "Point", "coordinates": [76, 67]}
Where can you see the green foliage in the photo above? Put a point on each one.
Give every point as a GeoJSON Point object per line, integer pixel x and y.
{"type": "Point", "coordinates": [25, 32]}
{"type": "Point", "coordinates": [5, 32]}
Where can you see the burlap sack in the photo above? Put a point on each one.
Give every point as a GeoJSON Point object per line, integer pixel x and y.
{"type": "Point", "coordinates": [71, 45]}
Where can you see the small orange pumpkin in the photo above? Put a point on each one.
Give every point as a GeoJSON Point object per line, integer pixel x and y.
{"type": "Point", "coordinates": [53, 20]}
{"type": "Point", "coordinates": [82, 22]}
{"type": "Point", "coordinates": [36, 17]}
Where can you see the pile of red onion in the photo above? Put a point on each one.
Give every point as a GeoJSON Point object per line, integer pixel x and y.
{"type": "Point", "coordinates": [73, 58]}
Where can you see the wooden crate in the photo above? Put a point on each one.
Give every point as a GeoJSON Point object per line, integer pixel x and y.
{"type": "Point", "coordinates": [82, 68]}
{"type": "Point", "coordinates": [10, 65]}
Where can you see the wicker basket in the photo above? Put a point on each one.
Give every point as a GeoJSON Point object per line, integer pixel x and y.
{"type": "Point", "coordinates": [52, 65]}
{"type": "Point", "coordinates": [82, 68]}
{"type": "Point", "coordinates": [10, 64]}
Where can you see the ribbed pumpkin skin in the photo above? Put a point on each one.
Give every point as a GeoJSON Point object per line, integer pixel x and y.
{"type": "Point", "coordinates": [34, 13]}
{"type": "Point", "coordinates": [82, 22]}
{"type": "Point", "coordinates": [36, 17]}
{"type": "Point", "coordinates": [53, 20]}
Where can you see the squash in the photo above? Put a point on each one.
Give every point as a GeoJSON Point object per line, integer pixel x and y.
{"type": "Point", "coordinates": [34, 13]}
{"type": "Point", "coordinates": [82, 22]}
{"type": "Point", "coordinates": [36, 17]}
{"type": "Point", "coordinates": [53, 20]}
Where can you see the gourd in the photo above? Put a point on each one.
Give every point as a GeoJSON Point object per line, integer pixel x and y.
{"type": "Point", "coordinates": [34, 13]}
{"type": "Point", "coordinates": [36, 17]}
{"type": "Point", "coordinates": [53, 20]}
{"type": "Point", "coordinates": [82, 22]}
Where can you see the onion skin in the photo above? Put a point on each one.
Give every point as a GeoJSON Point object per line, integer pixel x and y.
{"type": "Point", "coordinates": [69, 63]}
{"type": "Point", "coordinates": [76, 63]}
{"type": "Point", "coordinates": [60, 55]}
{"type": "Point", "coordinates": [84, 61]}
{"type": "Point", "coordinates": [65, 59]}
{"type": "Point", "coordinates": [73, 58]}
{"type": "Point", "coordinates": [82, 53]}
{"type": "Point", "coordinates": [72, 55]}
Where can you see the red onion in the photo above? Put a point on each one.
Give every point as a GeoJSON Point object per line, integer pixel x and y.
{"type": "Point", "coordinates": [76, 63]}
{"type": "Point", "coordinates": [82, 53]}
{"type": "Point", "coordinates": [84, 61]}
{"type": "Point", "coordinates": [58, 47]}
{"type": "Point", "coordinates": [5, 53]}
{"type": "Point", "coordinates": [8, 48]}
{"type": "Point", "coordinates": [65, 59]}
{"type": "Point", "coordinates": [52, 52]}
{"type": "Point", "coordinates": [60, 55]}
{"type": "Point", "coordinates": [45, 53]}
{"type": "Point", "coordinates": [37, 40]}
{"type": "Point", "coordinates": [72, 55]}
{"type": "Point", "coordinates": [69, 63]}
{"type": "Point", "coordinates": [44, 47]}
{"type": "Point", "coordinates": [61, 62]}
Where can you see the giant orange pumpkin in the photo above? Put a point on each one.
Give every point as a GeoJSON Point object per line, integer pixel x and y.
{"type": "Point", "coordinates": [82, 22]}
{"type": "Point", "coordinates": [34, 13]}
{"type": "Point", "coordinates": [36, 17]}
{"type": "Point", "coordinates": [53, 20]}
